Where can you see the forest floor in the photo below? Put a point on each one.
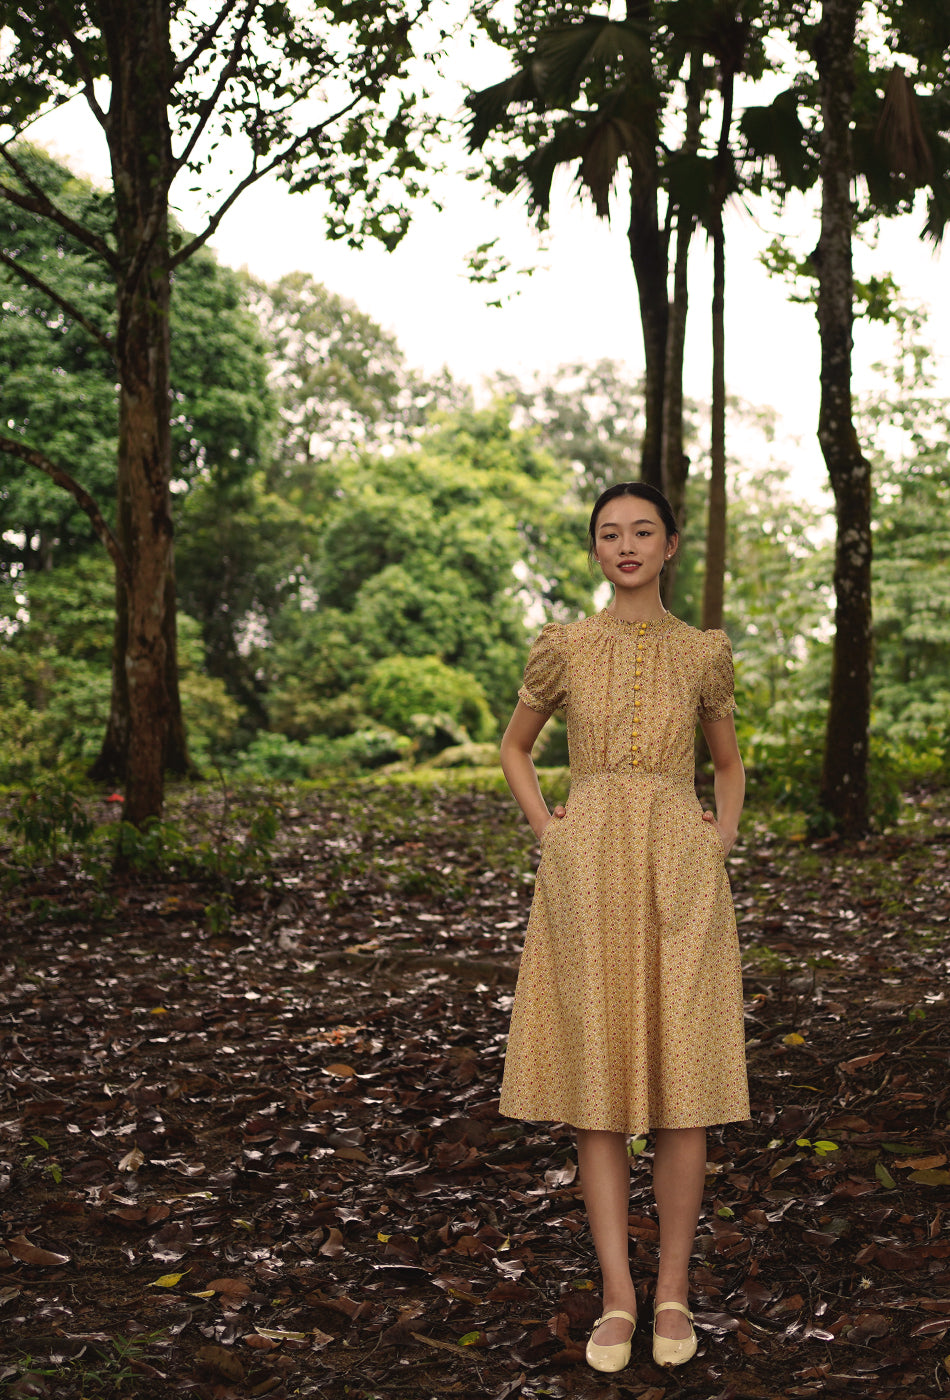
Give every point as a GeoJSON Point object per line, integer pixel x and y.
{"type": "Point", "coordinates": [249, 1139]}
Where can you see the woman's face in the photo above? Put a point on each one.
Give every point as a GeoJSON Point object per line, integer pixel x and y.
{"type": "Point", "coordinates": [630, 543]}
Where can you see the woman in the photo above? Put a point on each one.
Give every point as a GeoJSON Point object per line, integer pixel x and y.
{"type": "Point", "coordinates": [628, 1010]}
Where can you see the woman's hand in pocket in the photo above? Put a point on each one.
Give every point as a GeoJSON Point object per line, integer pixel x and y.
{"type": "Point", "coordinates": [727, 842]}
{"type": "Point", "coordinates": [555, 816]}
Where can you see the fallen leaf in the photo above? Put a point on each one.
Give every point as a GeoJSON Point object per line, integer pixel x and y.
{"type": "Point", "coordinates": [237, 1287]}
{"type": "Point", "coordinates": [793, 1038]}
{"type": "Point", "coordinates": [169, 1280]}
{"type": "Point", "coordinates": [220, 1360]}
{"type": "Point", "coordinates": [132, 1160]}
{"type": "Point", "coordinates": [332, 1246]}
{"type": "Point", "coordinates": [931, 1178]}
{"type": "Point", "coordinates": [21, 1248]}
{"type": "Point", "coordinates": [340, 1071]}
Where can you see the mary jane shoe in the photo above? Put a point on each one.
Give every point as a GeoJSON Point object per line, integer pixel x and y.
{"type": "Point", "coordinates": [673, 1351]}
{"type": "Point", "coordinates": [612, 1358]}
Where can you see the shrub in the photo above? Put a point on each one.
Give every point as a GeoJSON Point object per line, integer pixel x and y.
{"type": "Point", "coordinates": [401, 691]}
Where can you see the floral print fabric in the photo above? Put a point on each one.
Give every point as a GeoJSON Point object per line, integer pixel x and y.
{"type": "Point", "coordinates": [628, 1009]}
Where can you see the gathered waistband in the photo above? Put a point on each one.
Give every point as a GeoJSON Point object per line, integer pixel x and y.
{"type": "Point", "coordinates": [637, 775]}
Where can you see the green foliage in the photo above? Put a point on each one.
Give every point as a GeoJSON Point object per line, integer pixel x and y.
{"type": "Point", "coordinates": [274, 756]}
{"type": "Point", "coordinates": [54, 673]}
{"type": "Point", "coordinates": [404, 691]}
{"type": "Point", "coordinates": [48, 818]}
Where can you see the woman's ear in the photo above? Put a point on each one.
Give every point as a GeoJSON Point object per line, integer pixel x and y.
{"type": "Point", "coordinates": [672, 544]}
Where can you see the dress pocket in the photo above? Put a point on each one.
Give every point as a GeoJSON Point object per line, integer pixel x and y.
{"type": "Point", "coordinates": [715, 837]}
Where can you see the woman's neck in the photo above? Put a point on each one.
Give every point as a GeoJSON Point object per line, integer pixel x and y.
{"type": "Point", "coordinates": [637, 608]}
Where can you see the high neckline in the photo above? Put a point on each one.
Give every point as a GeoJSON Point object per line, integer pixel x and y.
{"type": "Point", "coordinates": [634, 626]}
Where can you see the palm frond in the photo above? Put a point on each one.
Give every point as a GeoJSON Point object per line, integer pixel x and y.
{"type": "Point", "coordinates": [900, 133]}
{"type": "Point", "coordinates": [570, 52]}
{"type": "Point", "coordinates": [565, 146]}
{"type": "Point", "coordinates": [775, 133]}
{"type": "Point", "coordinates": [490, 106]}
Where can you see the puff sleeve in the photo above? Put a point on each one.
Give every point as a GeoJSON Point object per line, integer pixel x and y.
{"type": "Point", "coordinates": [716, 699]}
{"type": "Point", "coordinates": [545, 675]}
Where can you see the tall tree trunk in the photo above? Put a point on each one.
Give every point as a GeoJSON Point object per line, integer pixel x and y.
{"type": "Point", "coordinates": [844, 779]}
{"type": "Point", "coordinates": [714, 579]}
{"type": "Point", "coordinates": [648, 253]}
{"type": "Point", "coordinates": [674, 462]}
{"type": "Point", "coordinates": [715, 575]}
{"type": "Point", "coordinates": [140, 149]}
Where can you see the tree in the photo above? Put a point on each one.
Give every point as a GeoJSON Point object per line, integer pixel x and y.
{"type": "Point", "coordinates": [222, 427]}
{"type": "Point", "coordinates": [178, 79]}
{"type": "Point", "coordinates": [341, 381]}
{"type": "Point", "coordinates": [844, 777]}
{"type": "Point", "coordinates": [588, 93]}
{"type": "Point", "coordinates": [876, 136]}
{"type": "Point", "coordinates": [438, 550]}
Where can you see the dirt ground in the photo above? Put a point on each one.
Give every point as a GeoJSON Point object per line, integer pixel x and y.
{"type": "Point", "coordinates": [249, 1139]}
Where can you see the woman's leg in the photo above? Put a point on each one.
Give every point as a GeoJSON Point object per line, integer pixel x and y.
{"type": "Point", "coordinates": [679, 1172]}
{"type": "Point", "coordinates": [605, 1182]}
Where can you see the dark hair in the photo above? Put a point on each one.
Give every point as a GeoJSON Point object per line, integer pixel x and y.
{"type": "Point", "coordinates": [632, 488]}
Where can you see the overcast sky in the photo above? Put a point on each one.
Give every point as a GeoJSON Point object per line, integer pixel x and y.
{"type": "Point", "coordinates": [580, 305]}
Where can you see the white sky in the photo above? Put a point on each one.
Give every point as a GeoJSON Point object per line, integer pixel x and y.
{"type": "Point", "coordinates": [581, 303]}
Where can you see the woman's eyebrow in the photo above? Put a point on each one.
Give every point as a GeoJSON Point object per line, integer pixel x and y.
{"type": "Point", "coordinates": [611, 525]}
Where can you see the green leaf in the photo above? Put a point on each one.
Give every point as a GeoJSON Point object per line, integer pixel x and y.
{"type": "Point", "coordinates": [931, 1176]}
{"type": "Point", "coordinates": [884, 1176]}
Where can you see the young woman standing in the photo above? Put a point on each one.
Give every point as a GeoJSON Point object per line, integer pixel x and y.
{"type": "Point", "coordinates": [628, 1010]}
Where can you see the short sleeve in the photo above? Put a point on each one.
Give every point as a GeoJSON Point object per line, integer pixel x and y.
{"type": "Point", "coordinates": [716, 699]}
{"type": "Point", "coordinates": [545, 675]}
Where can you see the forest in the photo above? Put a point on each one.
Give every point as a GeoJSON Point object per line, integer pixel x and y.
{"type": "Point", "coordinates": [267, 593]}
{"type": "Point", "coordinates": [361, 555]}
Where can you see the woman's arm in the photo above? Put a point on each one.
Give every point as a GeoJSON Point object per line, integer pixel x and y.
{"type": "Point", "coordinates": [518, 767]}
{"type": "Point", "coordinates": [729, 778]}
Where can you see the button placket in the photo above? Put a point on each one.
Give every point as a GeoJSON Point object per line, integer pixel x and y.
{"type": "Point", "coordinates": [635, 751]}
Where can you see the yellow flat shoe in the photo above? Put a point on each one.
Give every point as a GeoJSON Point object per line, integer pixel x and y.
{"type": "Point", "coordinates": [673, 1351]}
{"type": "Point", "coordinates": [615, 1357]}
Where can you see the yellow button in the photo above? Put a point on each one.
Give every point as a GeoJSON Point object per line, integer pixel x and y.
{"type": "Point", "coordinates": [638, 671]}
{"type": "Point", "coordinates": [635, 730]}
{"type": "Point", "coordinates": [636, 686]}
{"type": "Point", "coordinates": [635, 762]}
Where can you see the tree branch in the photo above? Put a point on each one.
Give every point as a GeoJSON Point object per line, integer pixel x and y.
{"type": "Point", "coordinates": [206, 108]}
{"type": "Point", "coordinates": [64, 305]}
{"type": "Point", "coordinates": [257, 173]}
{"type": "Point", "coordinates": [205, 42]}
{"type": "Point", "coordinates": [81, 496]}
{"type": "Point", "coordinates": [39, 202]}
{"type": "Point", "coordinates": [78, 53]}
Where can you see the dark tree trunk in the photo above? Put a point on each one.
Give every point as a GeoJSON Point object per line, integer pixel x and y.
{"type": "Point", "coordinates": [648, 253]}
{"type": "Point", "coordinates": [110, 764]}
{"type": "Point", "coordinates": [844, 780]}
{"type": "Point", "coordinates": [674, 461]}
{"type": "Point", "coordinates": [137, 37]}
{"type": "Point", "coordinates": [715, 576]}
{"type": "Point", "coordinates": [714, 579]}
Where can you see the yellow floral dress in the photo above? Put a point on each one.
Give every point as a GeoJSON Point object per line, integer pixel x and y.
{"type": "Point", "coordinates": [628, 1010]}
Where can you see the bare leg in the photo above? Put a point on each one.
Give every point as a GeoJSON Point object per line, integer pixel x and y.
{"type": "Point", "coordinates": [679, 1171]}
{"type": "Point", "coordinates": [605, 1182]}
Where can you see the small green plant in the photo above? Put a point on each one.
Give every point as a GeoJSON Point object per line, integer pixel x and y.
{"type": "Point", "coordinates": [821, 1148]}
{"type": "Point", "coordinates": [48, 818]}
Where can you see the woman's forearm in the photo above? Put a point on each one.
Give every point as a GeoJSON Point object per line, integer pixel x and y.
{"type": "Point", "coordinates": [729, 788]}
{"type": "Point", "coordinates": [521, 776]}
